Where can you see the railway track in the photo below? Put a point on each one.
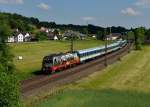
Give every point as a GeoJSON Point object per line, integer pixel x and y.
{"type": "Point", "coordinates": [38, 84]}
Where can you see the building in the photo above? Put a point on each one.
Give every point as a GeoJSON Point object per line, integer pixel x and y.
{"type": "Point", "coordinates": [11, 39]}
{"type": "Point", "coordinates": [19, 37]}
{"type": "Point", "coordinates": [27, 37]}
{"type": "Point", "coordinates": [55, 37]}
{"type": "Point", "coordinates": [113, 36]}
{"type": "Point", "coordinates": [69, 33]}
{"type": "Point", "coordinates": [52, 36]}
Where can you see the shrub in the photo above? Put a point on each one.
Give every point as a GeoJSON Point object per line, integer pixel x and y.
{"type": "Point", "coordinates": [9, 90]}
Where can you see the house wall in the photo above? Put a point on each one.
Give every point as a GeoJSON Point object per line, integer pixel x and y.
{"type": "Point", "coordinates": [27, 35]}
{"type": "Point", "coordinates": [20, 38]}
{"type": "Point", "coordinates": [11, 39]}
{"type": "Point", "coordinates": [55, 38]}
{"type": "Point", "coordinates": [114, 38]}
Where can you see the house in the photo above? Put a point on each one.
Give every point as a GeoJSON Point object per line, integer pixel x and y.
{"type": "Point", "coordinates": [94, 36]}
{"type": "Point", "coordinates": [51, 36]}
{"type": "Point", "coordinates": [11, 39]}
{"type": "Point", "coordinates": [43, 29]}
{"type": "Point", "coordinates": [70, 33]}
{"type": "Point", "coordinates": [113, 36]}
{"type": "Point", "coordinates": [27, 37]}
{"type": "Point", "coordinates": [47, 30]}
{"type": "Point", "coordinates": [19, 37]}
{"type": "Point", "coordinates": [82, 36]}
{"type": "Point", "coordinates": [55, 37]}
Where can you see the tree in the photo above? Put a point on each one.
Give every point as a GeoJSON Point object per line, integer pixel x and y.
{"type": "Point", "coordinates": [56, 32]}
{"type": "Point", "coordinates": [4, 31]}
{"type": "Point", "coordinates": [41, 36]}
{"type": "Point", "coordinates": [130, 35]}
{"type": "Point", "coordinates": [139, 37]}
{"type": "Point", "coordinates": [9, 91]}
{"type": "Point", "coordinates": [147, 34]}
{"type": "Point", "coordinates": [100, 35]}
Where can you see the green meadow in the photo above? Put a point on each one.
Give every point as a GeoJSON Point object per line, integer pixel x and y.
{"type": "Point", "coordinates": [123, 84]}
{"type": "Point", "coordinates": [33, 53]}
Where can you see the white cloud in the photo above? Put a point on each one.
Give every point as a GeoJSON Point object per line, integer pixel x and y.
{"type": "Point", "coordinates": [130, 12]}
{"type": "Point", "coordinates": [11, 1]}
{"type": "Point", "coordinates": [88, 18]}
{"type": "Point", "coordinates": [142, 2]}
{"type": "Point", "coordinates": [43, 6]}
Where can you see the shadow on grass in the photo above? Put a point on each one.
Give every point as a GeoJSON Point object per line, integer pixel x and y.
{"type": "Point", "coordinates": [96, 98]}
{"type": "Point", "coordinates": [37, 72]}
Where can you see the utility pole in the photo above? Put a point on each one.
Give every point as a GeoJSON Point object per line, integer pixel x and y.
{"type": "Point", "coordinates": [87, 28]}
{"type": "Point", "coordinates": [105, 33]}
{"type": "Point", "coordinates": [110, 31]}
{"type": "Point", "coordinates": [72, 43]}
{"type": "Point", "coordinates": [106, 44]}
{"type": "Point", "coordinates": [128, 43]}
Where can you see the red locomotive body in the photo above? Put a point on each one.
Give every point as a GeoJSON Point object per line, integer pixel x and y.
{"type": "Point", "coordinates": [57, 62]}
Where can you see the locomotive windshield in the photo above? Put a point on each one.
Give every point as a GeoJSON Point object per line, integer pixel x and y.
{"type": "Point", "coordinates": [48, 62]}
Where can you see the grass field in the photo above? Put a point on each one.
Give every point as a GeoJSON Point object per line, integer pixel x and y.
{"type": "Point", "coordinates": [123, 84]}
{"type": "Point", "coordinates": [34, 52]}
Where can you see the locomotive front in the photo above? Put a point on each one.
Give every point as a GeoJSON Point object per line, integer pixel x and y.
{"type": "Point", "coordinates": [47, 64]}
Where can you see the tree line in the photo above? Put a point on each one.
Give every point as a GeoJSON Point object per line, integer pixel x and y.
{"type": "Point", "coordinates": [9, 84]}
{"type": "Point", "coordinates": [29, 23]}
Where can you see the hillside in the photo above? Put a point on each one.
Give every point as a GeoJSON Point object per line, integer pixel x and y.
{"type": "Point", "coordinates": [30, 24]}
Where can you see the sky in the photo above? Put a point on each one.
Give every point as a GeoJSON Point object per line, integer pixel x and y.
{"type": "Point", "coordinates": [127, 13]}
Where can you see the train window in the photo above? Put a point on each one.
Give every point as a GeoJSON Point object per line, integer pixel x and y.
{"type": "Point", "coordinates": [81, 55]}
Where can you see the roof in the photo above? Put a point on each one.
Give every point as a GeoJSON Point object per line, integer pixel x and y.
{"type": "Point", "coordinates": [97, 48]}
{"type": "Point", "coordinates": [91, 49]}
{"type": "Point", "coordinates": [117, 34]}
{"type": "Point", "coordinates": [53, 55]}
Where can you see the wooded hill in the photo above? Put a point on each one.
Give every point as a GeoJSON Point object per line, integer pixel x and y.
{"type": "Point", "coordinates": [30, 24]}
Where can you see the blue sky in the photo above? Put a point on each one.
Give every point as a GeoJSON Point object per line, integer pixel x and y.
{"type": "Point", "coordinates": [128, 13]}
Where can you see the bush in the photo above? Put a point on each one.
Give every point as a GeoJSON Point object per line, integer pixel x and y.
{"type": "Point", "coordinates": [9, 90]}
{"type": "Point", "coordinates": [40, 36]}
{"type": "Point", "coordinates": [6, 59]}
{"type": "Point", "coordinates": [9, 85]}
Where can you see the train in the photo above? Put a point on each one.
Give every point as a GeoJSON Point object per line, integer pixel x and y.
{"type": "Point", "coordinates": [58, 62]}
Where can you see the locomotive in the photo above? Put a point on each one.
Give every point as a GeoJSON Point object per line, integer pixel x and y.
{"type": "Point", "coordinates": [55, 62]}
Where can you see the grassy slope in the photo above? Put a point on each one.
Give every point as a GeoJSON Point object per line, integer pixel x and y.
{"type": "Point", "coordinates": [34, 52]}
{"type": "Point", "coordinates": [124, 84]}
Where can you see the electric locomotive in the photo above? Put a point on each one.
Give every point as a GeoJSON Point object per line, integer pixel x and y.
{"type": "Point", "coordinates": [54, 62]}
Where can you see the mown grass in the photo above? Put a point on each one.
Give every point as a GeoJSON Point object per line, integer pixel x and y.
{"type": "Point", "coordinates": [97, 98]}
{"type": "Point", "coordinates": [34, 52]}
{"type": "Point", "coordinates": [123, 84]}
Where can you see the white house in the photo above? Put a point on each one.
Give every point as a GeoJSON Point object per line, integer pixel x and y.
{"type": "Point", "coordinates": [94, 36]}
{"type": "Point", "coordinates": [27, 35]}
{"type": "Point", "coordinates": [114, 36]}
{"type": "Point", "coordinates": [11, 39]}
{"type": "Point", "coordinates": [55, 38]}
{"type": "Point", "coordinates": [20, 38]}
